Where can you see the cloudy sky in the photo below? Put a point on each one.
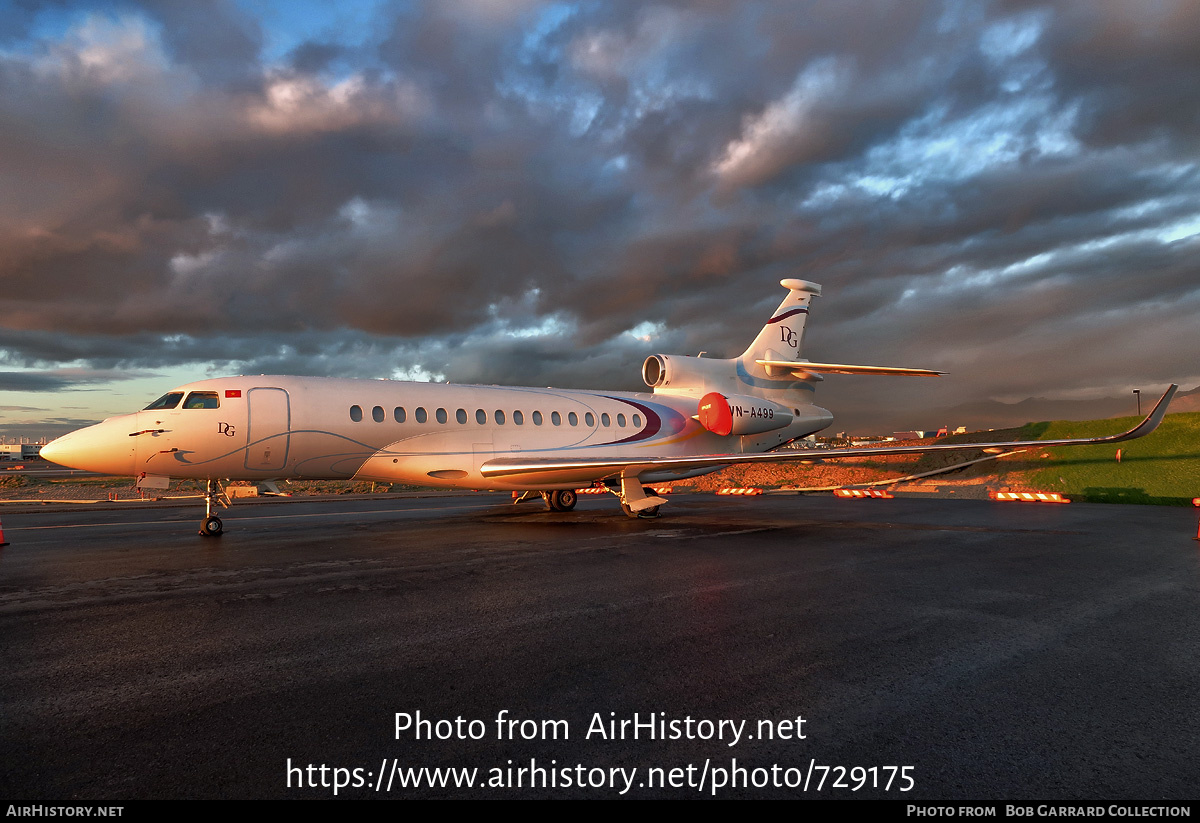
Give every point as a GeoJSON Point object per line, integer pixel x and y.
{"type": "Point", "coordinates": [544, 193]}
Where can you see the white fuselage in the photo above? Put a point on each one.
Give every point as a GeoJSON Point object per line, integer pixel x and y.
{"type": "Point", "coordinates": [429, 434]}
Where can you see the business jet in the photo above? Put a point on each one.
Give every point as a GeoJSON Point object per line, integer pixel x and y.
{"type": "Point", "coordinates": [703, 415]}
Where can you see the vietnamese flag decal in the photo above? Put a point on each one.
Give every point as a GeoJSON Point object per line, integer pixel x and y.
{"type": "Point", "coordinates": [233, 392]}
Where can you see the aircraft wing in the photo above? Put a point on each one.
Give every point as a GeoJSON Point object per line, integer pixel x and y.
{"type": "Point", "coordinates": [532, 466]}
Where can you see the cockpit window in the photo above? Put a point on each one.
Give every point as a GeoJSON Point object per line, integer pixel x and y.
{"type": "Point", "coordinates": [202, 400]}
{"type": "Point", "coordinates": [168, 401]}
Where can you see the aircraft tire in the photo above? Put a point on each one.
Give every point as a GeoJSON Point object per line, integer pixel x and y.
{"type": "Point", "coordinates": [649, 514]}
{"type": "Point", "coordinates": [211, 527]}
{"type": "Point", "coordinates": [566, 499]}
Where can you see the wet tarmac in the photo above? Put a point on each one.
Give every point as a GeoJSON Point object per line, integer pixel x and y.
{"type": "Point", "coordinates": [958, 650]}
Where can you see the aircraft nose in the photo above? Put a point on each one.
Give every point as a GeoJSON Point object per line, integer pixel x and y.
{"type": "Point", "coordinates": [54, 450]}
{"type": "Point", "coordinates": [100, 448]}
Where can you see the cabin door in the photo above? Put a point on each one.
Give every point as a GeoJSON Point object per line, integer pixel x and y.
{"type": "Point", "coordinates": [268, 430]}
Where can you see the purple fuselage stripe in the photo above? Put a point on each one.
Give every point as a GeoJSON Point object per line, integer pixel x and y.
{"type": "Point", "coordinates": [653, 423]}
{"type": "Point", "coordinates": [786, 315]}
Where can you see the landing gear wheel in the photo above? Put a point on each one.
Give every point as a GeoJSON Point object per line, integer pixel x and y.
{"type": "Point", "coordinates": [211, 527]}
{"type": "Point", "coordinates": [644, 514]}
{"type": "Point", "coordinates": [562, 500]}
{"type": "Point", "coordinates": [649, 514]}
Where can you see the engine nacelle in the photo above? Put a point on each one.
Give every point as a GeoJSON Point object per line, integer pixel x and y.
{"type": "Point", "coordinates": [674, 373]}
{"type": "Point", "coordinates": [740, 414]}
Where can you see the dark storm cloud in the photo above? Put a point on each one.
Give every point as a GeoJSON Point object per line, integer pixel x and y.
{"type": "Point", "coordinates": [501, 192]}
{"type": "Point", "coordinates": [214, 38]}
{"type": "Point", "coordinates": [58, 380]}
{"type": "Point", "coordinates": [1135, 66]}
{"type": "Point", "coordinates": [23, 381]}
{"type": "Point", "coordinates": [312, 57]}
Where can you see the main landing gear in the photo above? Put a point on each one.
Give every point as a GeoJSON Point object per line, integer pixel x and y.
{"type": "Point", "coordinates": [561, 500]}
{"type": "Point", "coordinates": [645, 514]}
{"type": "Point", "coordinates": [636, 499]}
{"type": "Point", "coordinates": [213, 493]}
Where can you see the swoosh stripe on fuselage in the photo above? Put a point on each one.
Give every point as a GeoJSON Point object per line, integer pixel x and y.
{"type": "Point", "coordinates": [781, 317]}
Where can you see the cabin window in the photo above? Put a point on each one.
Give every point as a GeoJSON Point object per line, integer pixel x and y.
{"type": "Point", "coordinates": [481, 417]}
{"type": "Point", "coordinates": [589, 419]}
{"type": "Point", "coordinates": [621, 420]}
{"type": "Point", "coordinates": [556, 418]}
{"type": "Point", "coordinates": [168, 401]}
{"type": "Point", "coordinates": [377, 414]}
{"type": "Point", "coordinates": [461, 417]}
{"type": "Point", "coordinates": [499, 417]}
{"type": "Point", "coordinates": [605, 420]}
{"type": "Point", "coordinates": [399, 414]}
{"type": "Point", "coordinates": [440, 414]}
{"type": "Point", "coordinates": [356, 414]}
{"type": "Point", "coordinates": [202, 400]}
{"type": "Point", "coordinates": [519, 418]}
{"type": "Point", "coordinates": [421, 414]}
{"type": "Point", "coordinates": [537, 418]}
{"type": "Point", "coordinates": [637, 420]}
{"type": "Point", "coordinates": [573, 419]}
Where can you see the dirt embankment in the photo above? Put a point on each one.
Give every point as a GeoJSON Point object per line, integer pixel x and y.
{"type": "Point", "coordinates": [863, 470]}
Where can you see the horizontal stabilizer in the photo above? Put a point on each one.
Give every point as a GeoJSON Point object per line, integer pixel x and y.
{"type": "Point", "coordinates": [804, 369]}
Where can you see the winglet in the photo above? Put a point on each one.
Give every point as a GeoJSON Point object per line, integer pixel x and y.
{"type": "Point", "coordinates": [1153, 419]}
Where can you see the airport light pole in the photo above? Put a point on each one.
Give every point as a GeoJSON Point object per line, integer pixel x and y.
{"type": "Point", "coordinates": [1137, 393]}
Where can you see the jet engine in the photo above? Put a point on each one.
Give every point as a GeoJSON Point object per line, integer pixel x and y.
{"type": "Point", "coordinates": [673, 373]}
{"type": "Point", "coordinates": [741, 414]}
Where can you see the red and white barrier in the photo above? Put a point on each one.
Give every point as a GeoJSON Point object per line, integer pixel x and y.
{"type": "Point", "coordinates": [602, 490]}
{"type": "Point", "coordinates": [1030, 497]}
{"type": "Point", "coordinates": [747, 492]}
{"type": "Point", "coordinates": [863, 493]}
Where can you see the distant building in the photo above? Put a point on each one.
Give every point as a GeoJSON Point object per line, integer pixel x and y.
{"type": "Point", "coordinates": [20, 451]}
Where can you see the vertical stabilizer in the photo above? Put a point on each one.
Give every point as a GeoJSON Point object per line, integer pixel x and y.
{"type": "Point", "coordinates": [783, 335]}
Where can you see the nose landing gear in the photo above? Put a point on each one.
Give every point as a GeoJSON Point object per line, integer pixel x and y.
{"type": "Point", "coordinates": [212, 526]}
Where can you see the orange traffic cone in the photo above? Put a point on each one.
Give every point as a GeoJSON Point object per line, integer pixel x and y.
{"type": "Point", "coordinates": [2, 541]}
